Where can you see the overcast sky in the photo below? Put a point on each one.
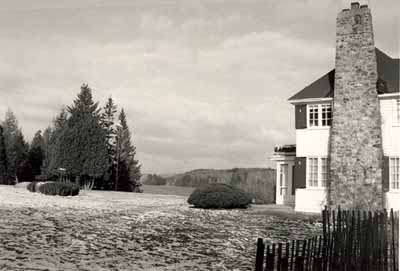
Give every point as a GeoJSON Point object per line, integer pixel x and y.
{"type": "Point", "coordinates": [204, 83]}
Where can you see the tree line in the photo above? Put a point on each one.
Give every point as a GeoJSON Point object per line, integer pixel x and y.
{"type": "Point", "coordinates": [84, 144]}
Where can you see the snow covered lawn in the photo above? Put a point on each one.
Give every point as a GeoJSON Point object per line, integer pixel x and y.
{"type": "Point", "coordinates": [125, 231]}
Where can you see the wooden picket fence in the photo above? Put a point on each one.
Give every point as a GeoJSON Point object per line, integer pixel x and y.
{"type": "Point", "coordinates": [351, 240]}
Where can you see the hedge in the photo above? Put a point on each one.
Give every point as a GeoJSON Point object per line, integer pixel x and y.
{"type": "Point", "coordinates": [54, 188]}
{"type": "Point", "coordinates": [219, 196]}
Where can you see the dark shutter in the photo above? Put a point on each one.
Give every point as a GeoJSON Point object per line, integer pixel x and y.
{"type": "Point", "coordinates": [385, 174]}
{"type": "Point", "coordinates": [301, 116]}
{"type": "Point", "coordinates": [299, 180]}
{"type": "Point", "coordinates": [293, 189]}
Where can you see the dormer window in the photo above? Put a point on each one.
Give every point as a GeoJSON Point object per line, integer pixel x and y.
{"type": "Point", "coordinates": [319, 115]}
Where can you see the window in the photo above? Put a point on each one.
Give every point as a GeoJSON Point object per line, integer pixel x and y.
{"type": "Point", "coordinates": [319, 115]}
{"type": "Point", "coordinates": [313, 115]}
{"type": "Point", "coordinates": [324, 171]}
{"type": "Point", "coordinates": [394, 172]}
{"type": "Point", "coordinates": [313, 172]}
{"type": "Point", "coordinates": [326, 118]}
{"type": "Point", "coordinates": [317, 171]}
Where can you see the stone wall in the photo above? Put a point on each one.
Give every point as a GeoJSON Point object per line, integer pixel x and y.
{"type": "Point", "coordinates": [356, 143]}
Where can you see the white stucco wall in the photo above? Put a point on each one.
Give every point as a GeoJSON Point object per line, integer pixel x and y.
{"type": "Point", "coordinates": [312, 142]}
{"type": "Point", "coordinates": [310, 200]}
{"type": "Point", "coordinates": [315, 141]}
{"type": "Point", "coordinates": [393, 200]}
{"type": "Point", "coordinates": [390, 130]}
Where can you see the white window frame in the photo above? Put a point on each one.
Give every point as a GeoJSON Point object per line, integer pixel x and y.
{"type": "Point", "coordinates": [323, 175]}
{"type": "Point", "coordinates": [394, 173]}
{"type": "Point", "coordinates": [321, 183]}
{"type": "Point", "coordinates": [319, 108]}
{"type": "Point", "coordinates": [309, 108]}
{"type": "Point", "coordinates": [328, 120]}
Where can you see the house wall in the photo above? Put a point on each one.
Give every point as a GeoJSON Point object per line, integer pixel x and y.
{"type": "Point", "coordinates": [314, 142]}
{"type": "Point", "coordinates": [310, 200]}
{"type": "Point", "coordinates": [393, 200]}
{"type": "Point", "coordinates": [390, 130]}
{"type": "Point", "coordinates": [390, 143]}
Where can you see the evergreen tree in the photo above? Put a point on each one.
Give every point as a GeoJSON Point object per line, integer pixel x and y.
{"type": "Point", "coordinates": [3, 159]}
{"type": "Point", "coordinates": [81, 146]}
{"type": "Point", "coordinates": [15, 145]}
{"type": "Point", "coordinates": [107, 121]}
{"type": "Point", "coordinates": [46, 151]}
{"type": "Point", "coordinates": [36, 153]}
{"type": "Point", "coordinates": [127, 168]}
{"type": "Point", "coordinates": [20, 150]}
{"type": "Point", "coordinates": [51, 142]}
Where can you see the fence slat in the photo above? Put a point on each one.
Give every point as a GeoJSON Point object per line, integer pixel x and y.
{"type": "Point", "coordinates": [351, 241]}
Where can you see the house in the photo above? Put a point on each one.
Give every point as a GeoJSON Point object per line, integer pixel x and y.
{"type": "Point", "coordinates": [347, 125]}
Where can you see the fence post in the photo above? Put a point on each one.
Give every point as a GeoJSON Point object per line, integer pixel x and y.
{"type": "Point", "coordinates": [393, 239]}
{"type": "Point", "coordinates": [285, 260]}
{"type": "Point", "coordinates": [279, 260]}
{"type": "Point", "coordinates": [260, 255]}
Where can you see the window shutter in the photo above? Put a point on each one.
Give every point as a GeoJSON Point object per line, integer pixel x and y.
{"type": "Point", "coordinates": [385, 174]}
{"type": "Point", "coordinates": [293, 189]}
{"type": "Point", "coordinates": [301, 116]}
{"type": "Point", "coordinates": [300, 166]}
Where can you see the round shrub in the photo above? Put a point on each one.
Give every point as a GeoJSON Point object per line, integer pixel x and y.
{"type": "Point", "coordinates": [59, 188]}
{"type": "Point", "coordinates": [32, 186]}
{"type": "Point", "coordinates": [219, 196]}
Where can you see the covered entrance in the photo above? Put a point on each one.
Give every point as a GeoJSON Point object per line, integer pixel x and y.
{"type": "Point", "coordinates": [284, 157]}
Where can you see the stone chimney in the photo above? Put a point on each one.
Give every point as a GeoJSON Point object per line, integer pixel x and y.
{"type": "Point", "coordinates": [356, 142]}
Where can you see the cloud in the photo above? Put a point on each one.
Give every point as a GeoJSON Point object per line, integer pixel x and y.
{"type": "Point", "coordinates": [204, 83]}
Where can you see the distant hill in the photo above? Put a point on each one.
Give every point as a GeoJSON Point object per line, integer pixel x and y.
{"type": "Point", "coordinates": [260, 182]}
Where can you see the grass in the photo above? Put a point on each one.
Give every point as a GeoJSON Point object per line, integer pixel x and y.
{"type": "Point", "coordinates": [125, 231]}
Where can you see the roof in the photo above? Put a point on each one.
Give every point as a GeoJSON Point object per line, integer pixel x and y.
{"type": "Point", "coordinates": [388, 82]}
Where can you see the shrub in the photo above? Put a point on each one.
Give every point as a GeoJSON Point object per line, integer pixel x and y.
{"type": "Point", "coordinates": [217, 196]}
{"type": "Point", "coordinates": [59, 188]}
{"type": "Point", "coordinates": [32, 186]}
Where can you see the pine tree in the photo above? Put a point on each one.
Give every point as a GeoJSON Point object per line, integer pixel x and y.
{"type": "Point", "coordinates": [46, 151]}
{"type": "Point", "coordinates": [107, 121]}
{"type": "Point", "coordinates": [3, 159]}
{"type": "Point", "coordinates": [51, 142]}
{"type": "Point", "coordinates": [36, 153]}
{"type": "Point", "coordinates": [15, 145]}
{"type": "Point", "coordinates": [127, 168]}
{"type": "Point", "coordinates": [81, 146]}
{"type": "Point", "coordinates": [22, 166]}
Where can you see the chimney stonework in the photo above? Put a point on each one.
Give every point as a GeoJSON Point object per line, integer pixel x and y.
{"type": "Point", "coordinates": [356, 139]}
